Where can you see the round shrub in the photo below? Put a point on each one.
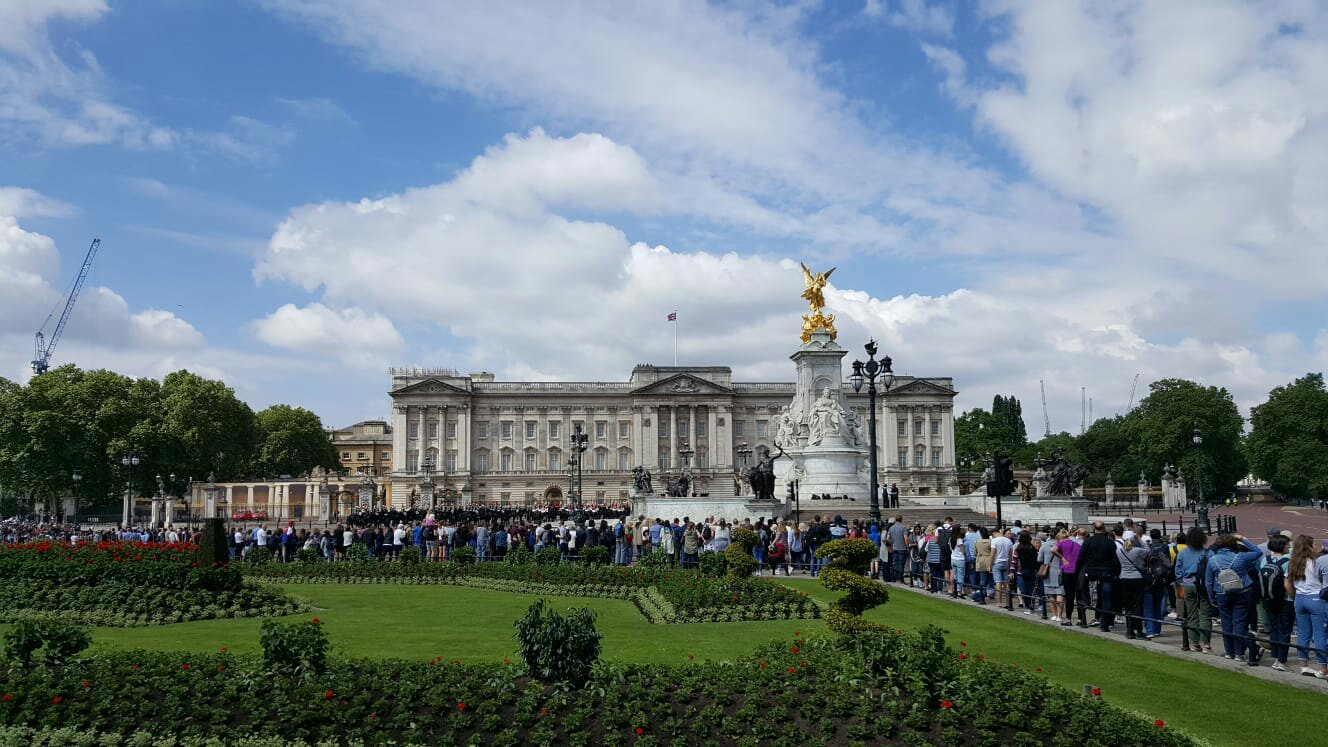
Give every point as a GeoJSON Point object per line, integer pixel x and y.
{"type": "Point", "coordinates": [51, 642]}
{"type": "Point", "coordinates": [848, 558]}
{"type": "Point", "coordinates": [558, 648]}
{"type": "Point", "coordinates": [412, 554]}
{"type": "Point", "coordinates": [548, 556]}
{"type": "Point", "coordinates": [739, 561]}
{"type": "Point", "coordinates": [462, 555]}
{"type": "Point", "coordinates": [258, 555]}
{"type": "Point", "coordinates": [519, 555]}
{"type": "Point", "coordinates": [713, 564]}
{"type": "Point", "coordinates": [657, 559]}
{"type": "Point", "coordinates": [745, 537]}
{"type": "Point", "coordinates": [357, 551]}
{"type": "Point", "coordinates": [597, 555]}
{"type": "Point", "coordinates": [308, 555]}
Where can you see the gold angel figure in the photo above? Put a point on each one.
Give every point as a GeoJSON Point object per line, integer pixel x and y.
{"type": "Point", "coordinates": [815, 282]}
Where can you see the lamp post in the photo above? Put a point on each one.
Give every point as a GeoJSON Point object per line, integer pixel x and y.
{"type": "Point", "coordinates": [578, 441]}
{"type": "Point", "coordinates": [129, 462]}
{"type": "Point", "coordinates": [77, 478]}
{"type": "Point", "coordinates": [685, 453]}
{"type": "Point", "coordinates": [427, 482]}
{"type": "Point", "coordinates": [744, 458]}
{"type": "Point", "coordinates": [1197, 440]}
{"type": "Point", "coordinates": [870, 372]}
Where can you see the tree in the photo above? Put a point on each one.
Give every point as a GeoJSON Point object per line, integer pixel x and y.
{"type": "Point", "coordinates": [975, 435]}
{"type": "Point", "coordinates": [205, 429]}
{"type": "Point", "coordinates": [292, 441]}
{"type": "Point", "coordinates": [1288, 441]}
{"type": "Point", "coordinates": [1161, 428]}
{"type": "Point", "coordinates": [1008, 415]}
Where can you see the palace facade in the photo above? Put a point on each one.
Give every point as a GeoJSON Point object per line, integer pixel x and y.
{"type": "Point", "coordinates": [473, 437]}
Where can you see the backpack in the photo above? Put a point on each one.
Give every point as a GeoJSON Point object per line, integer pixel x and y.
{"type": "Point", "coordinates": [1229, 581]}
{"type": "Point", "coordinates": [500, 539]}
{"type": "Point", "coordinates": [1158, 567]}
{"type": "Point", "coordinates": [1201, 572]}
{"type": "Point", "coordinates": [618, 530]}
{"type": "Point", "coordinates": [1272, 581]}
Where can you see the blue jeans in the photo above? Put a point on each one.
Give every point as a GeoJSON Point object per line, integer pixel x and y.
{"type": "Point", "coordinates": [1028, 588]}
{"type": "Point", "coordinates": [1311, 622]}
{"type": "Point", "coordinates": [983, 583]}
{"type": "Point", "coordinates": [1106, 610]}
{"type": "Point", "coordinates": [1234, 609]}
{"type": "Point", "coordinates": [1154, 596]}
{"type": "Point", "coordinates": [937, 577]}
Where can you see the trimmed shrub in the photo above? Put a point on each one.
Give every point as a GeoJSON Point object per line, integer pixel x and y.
{"type": "Point", "coordinates": [597, 555]}
{"type": "Point", "coordinates": [465, 555]}
{"type": "Point", "coordinates": [259, 555]}
{"type": "Point", "coordinates": [656, 560]}
{"type": "Point", "coordinates": [548, 556]}
{"type": "Point", "coordinates": [738, 561]}
{"type": "Point", "coordinates": [294, 650]}
{"type": "Point", "coordinates": [357, 551]}
{"type": "Point", "coordinates": [558, 648]}
{"type": "Point", "coordinates": [212, 548]}
{"type": "Point", "coordinates": [50, 642]}
{"type": "Point", "coordinates": [308, 555]}
{"type": "Point", "coordinates": [848, 559]}
{"type": "Point", "coordinates": [712, 564]}
{"type": "Point", "coordinates": [411, 554]}
{"type": "Point", "coordinates": [519, 555]}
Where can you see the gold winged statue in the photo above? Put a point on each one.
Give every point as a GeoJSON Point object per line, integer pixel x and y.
{"type": "Point", "coordinates": [817, 320]}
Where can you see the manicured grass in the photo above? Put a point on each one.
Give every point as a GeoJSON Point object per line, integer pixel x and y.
{"type": "Point", "coordinates": [421, 622]}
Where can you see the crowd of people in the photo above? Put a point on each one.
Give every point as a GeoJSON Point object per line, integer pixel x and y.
{"type": "Point", "coordinates": [1135, 577]}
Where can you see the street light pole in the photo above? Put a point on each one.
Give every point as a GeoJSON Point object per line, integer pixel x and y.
{"type": "Point", "coordinates": [870, 371]}
{"type": "Point", "coordinates": [744, 456]}
{"type": "Point", "coordinates": [685, 453]}
{"type": "Point", "coordinates": [1197, 440]}
{"type": "Point", "coordinates": [129, 462]}
{"type": "Point", "coordinates": [578, 442]}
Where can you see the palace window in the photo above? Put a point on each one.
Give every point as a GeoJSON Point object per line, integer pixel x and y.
{"type": "Point", "coordinates": [936, 456]}
{"type": "Point", "coordinates": [663, 428]}
{"type": "Point", "coordinates": [412, 461]}
{"type": "Point", "coordinates": [451, 429]}
{"type": "Point", "coordinates": [505, 497]}
{"type": "Point", "coordinates": [682, 428]}
{"type": "Point", "coordinates": [663, 458]}
{"type": "Point", "coordinates": [761, 428]}
{"type": "Point", "coordinates": [482, 430]}
{"type": "Point", "coordinates": [624, 459]}
{"type": "Point", "coordinates": [345, 455]}
{"type": "Point", "coordinates": [413, 429]}
{"type": "Point", "coordinates": [530, 461]}
{"type": "Point", "coordinates": [601, 430]}
{"type": "Point", "coordinates": [917, 427]}
{"type": "Point", "coordinates": [624, 429]}
{"type": "Point", "coordinates": [449, 461]}
{"type": "Point", "coordinates": [739, 428]}
{"type": "Point", "coordinates": [903, 456]}
{"type": "Point", "coordinates": [385, 456]}
{"type": "Point", "coordinates": [553, 430]}
{"type": "Point", "coordinates": [481, 461]}
{"type": "Point", "coordinates": [901, 431]}
{"type": "Point", "coordinates": [702, 459]}
{"type": "Point", "coordinates": [433, 431]}
{"type": "Point", "coordinates": [601, 459]}
{"type": "Point", "coordinates": [360, 456]}
{"type": "Point", "coordinates": [530, 429]}
{"type": "Point", "coordinates": [505, 461]}
{"type": "Point", "coordinates": [935, 427]}
{"type": "Point", "coordinates": [599, 496]}
{"type": "Point", "coordinates": [555, 460]}
{"type": "Point", "coordinates": [700, 427]}
{"type": "Point", "coordinates": [506, 430]}
{"type": "Point", "coordinates": [920, 456]}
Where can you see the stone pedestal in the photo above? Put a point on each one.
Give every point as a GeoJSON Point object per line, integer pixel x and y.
{"type": "Point", "coordinates": [156, 513]}
{"type": "Point", "coordinates": [70, 509]}
{"type": "Point", "coordinates": [655, 506]}
{"type": "Point", "coordinates": [124, 514]}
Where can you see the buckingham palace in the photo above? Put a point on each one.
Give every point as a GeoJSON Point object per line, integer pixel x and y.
{"type": "Point", "coordinates": [470, 437]}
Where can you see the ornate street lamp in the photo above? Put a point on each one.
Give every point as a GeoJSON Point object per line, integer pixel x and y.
{"type": "Point", "coordinates": [685, 453]}
{"type": "Point", "coordinates": [870, 372]}
{"type": "Point", "coordinates": [577, 443]}
{"type": "Point", "coordinates": [1197, 440]}
{"type": "Point", "coordinates": [129, 462]}
{"type": "Point", "coordinates": [744, 451]}
{"type": "Point", "coordinates": [427, 482]}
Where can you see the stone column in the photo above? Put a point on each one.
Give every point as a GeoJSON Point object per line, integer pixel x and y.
{"type": "Point", "coordinates": [673, 435]}
{"type": "Point", "coordinates": [947, 436]}
{"type": "Point", "coordinates": [889, 417]}
{"type": "Point", "coordinates": [463, 438]}
{"type": "Point", "coordinates": [634, 439]}
{"type": "Point", "coordinates": [649, 447]}
{"type": "Point", "coordinates": [124, 514]}
{"type": "Point", "coordinates": [926, 436]}
{"type": "Point", "coordinates": [399, 438]}
{"type": "Point", "coordinates": [712, 437]}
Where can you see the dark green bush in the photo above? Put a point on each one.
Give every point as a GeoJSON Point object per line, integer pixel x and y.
{"type": "Point", "coordinates": [308, 555]}
{"type": "Point", "coordinates": [464, 555]}
{"type": "Point", "coordinates": [213, 548]}
{"type": "Point", "coordinates": [411, 554]}
{"type": "Point", "coordinates": [657, 560]}
{"type": "Point", "coordinates": [549, 556]}
{"type": "Point", "coordinates": [294, 649]}
{"type": "Point", "coordinates": [357, 551]}
{"type": "Point", "coordinates": [50, 642]}
{"type": "Point", "coordinates": [558, 648]}
{"type": "Point", "coordinates": [519, 555]}
{"type": "Point", "coordinates": [738, 561]}
{"type": "Point", "coordinates": [597, 555]}
{"type": "Point", "coordinates": [713, 564]}
{"type": "Point", "coordinates": [258, 555]}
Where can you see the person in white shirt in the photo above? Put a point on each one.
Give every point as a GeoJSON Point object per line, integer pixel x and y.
{"type": "Point", "coordinates": [1001, 547]}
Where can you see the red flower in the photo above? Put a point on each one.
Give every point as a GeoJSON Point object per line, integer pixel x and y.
{"type": "Point", "coordinates": [461, 706]}
{"type": "Point", "coordinates": [1039, 669]}
{"type": "Point", "coordinates": [640, 731]}
{"type": "Point", "coordinates": [544, 710]}
{"type": "Point", "coordinates": [947, 705]}
{"type": "Point", "coordinates": [506, 660]}
{"type": "Point", "coordinates": [7, 696]}
{"type": "Point", "coordinates": [456, 662]}
{"type": "Point", "coordinates": [221, 667]}
{"type": "Point", "coordinates": [963, 643]}
{"type": "Point", "coordinates": [1159, 724]}
{"type": "Point", "coordinates": [329, 694]}
{"type": "Point", "coordinates": [1097, 691]}
{"type": "Point", "coordinates": [762, 664]}
{"type": "Point", "coordinates": [802, 663]}
{"type": "Point", "coordinates": [793, 650]}
{"type": "Point", "coordinates": [57, 700]}
{"type": "Point", "coordinates": [316, 621]}
{"type": "Point", "coordinates": [963, 656]}
{"type": "Point", "coordinates": [184, 667]}
{"type": "Point", "coordinates": [797, 633]}
{"type": "Point", "coordinates": [222, 649]}
{"type": "Point", "coordinates": [373, 715]}
{"type": "Point", "coordinates": [85, 683]}
{"type": "Point", "coordinates": [135, 667]}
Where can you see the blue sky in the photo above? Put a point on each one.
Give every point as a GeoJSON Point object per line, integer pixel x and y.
{"type": "Point", "coordinates": [295, 194]}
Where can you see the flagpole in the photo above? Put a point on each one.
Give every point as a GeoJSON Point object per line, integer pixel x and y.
{"type": "Point", "coordinates": [675, 339]}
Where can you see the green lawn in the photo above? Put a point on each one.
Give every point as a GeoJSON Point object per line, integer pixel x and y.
{"type": "Point", "coordinates": [475, 625]}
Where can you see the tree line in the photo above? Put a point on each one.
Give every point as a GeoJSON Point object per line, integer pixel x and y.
{"type": "Point", "coordinates": [1286, 443]}
{"type": "Point", "coordinates": [69, 420]}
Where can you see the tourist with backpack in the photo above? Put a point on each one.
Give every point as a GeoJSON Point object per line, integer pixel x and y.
{"type": "Point", "coordinates": [1307, 576]}
{"type": "Point", "coordinates": [1228, 582]}
{"type": "Point", "coordinates": [1279, 611]}
{"type": "Point", "coordinates": [1192, 595]}
{"type": "Point", "coordinates": [1158, 577]}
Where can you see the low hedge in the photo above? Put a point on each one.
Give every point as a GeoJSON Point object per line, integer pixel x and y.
{"type": "Point", "coordinates": [159, 565]}
{"type": "Point", "coordinates": [123, 605]}
{"type": "Point", "coordinates": [678, 595]}
{"type": "Point", "coordinates": [798, 693]}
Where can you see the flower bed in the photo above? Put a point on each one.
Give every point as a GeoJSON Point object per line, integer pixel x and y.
{"type": "Point", "coordinates": [122, 584]}
{"type": "Point", "coordinates": [663, 595]}
{"type": "Point", "coordinates": [796, 692]}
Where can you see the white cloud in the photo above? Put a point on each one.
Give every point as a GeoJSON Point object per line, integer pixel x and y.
{"type": "Point", "coordinates": [912, 15]}
{"type": "Point", "coordinates": [31, 287]}
{"type": "Point", "coordinates": [18, 202]}
{"type": "Point", "coordinates": [316, 328]}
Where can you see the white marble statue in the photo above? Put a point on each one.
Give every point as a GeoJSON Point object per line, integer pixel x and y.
{"type": "Point", "coordinates": [827, 420]}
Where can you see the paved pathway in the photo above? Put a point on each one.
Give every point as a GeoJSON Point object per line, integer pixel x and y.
{"type": "Point", "coordinates": [1168, 644]}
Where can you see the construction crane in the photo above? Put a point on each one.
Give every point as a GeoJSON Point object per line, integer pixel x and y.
{"type": "Point", "coordinates": [1133, 387]}
{"type": "Point", "coordinates": [41, 357]}
{"type": "Point", "coordinates": [1046, 419]}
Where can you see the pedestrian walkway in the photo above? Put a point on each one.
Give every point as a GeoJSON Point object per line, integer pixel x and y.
{"type": "Point", "coordinates": [1156, 646]}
